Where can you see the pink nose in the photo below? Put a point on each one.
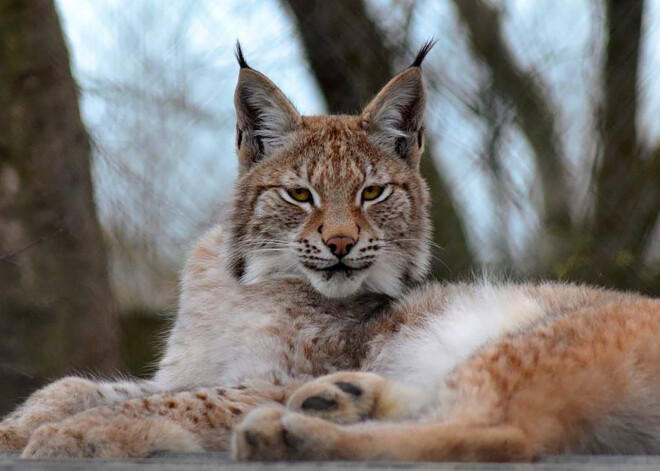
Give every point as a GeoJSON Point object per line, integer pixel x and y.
{"type": "Point", "coordinates": [340, 246]}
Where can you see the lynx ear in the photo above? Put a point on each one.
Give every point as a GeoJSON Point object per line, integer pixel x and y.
{"type": "Point", "coordinates": [265, 119]}
{"type": "Point", "coordinates": [395, 117]}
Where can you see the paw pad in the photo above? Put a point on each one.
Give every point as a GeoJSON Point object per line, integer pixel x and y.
{"type": "Point", "coordinates": [319, 403]}
{"type": "Point", "coordinates": [349, 388]}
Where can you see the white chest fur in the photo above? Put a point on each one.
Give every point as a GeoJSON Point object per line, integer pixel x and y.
{"type": "Point", "coordinates": [423, 356]}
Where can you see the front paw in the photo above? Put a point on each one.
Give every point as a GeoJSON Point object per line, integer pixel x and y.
{"type": "Point", "coordinates": [275, 434]}
{"type": "Point", "coordinates": [345, 398]}
{"type": "Point", "coordinates": [12, 438]}
{"type": "Point", "coordinates": [51, 441]}
{"type": "Point", "coordinates": [108, 437]}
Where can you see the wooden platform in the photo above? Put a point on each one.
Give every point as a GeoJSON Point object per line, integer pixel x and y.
{"type": "Point", "coordinates": [219, 461]}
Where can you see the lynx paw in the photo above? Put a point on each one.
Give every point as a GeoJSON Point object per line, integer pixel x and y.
{"type": "Point", "coordinates": [344, 398]}
{"type": "Point", "coordinates": [52, 404]}
{"type": "Point", "coordinates": [103, 437]}
{"type": "Point", "coordinates": [11, 439]}
{"type": "Point", "coordinates": [275, 434]}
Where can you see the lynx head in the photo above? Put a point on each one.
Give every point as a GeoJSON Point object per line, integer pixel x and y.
{"type": "Point", "coordinates": [335, 200]}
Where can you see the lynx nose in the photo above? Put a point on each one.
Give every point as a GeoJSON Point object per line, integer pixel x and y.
{"type": "Point", "coordinates": [340, 246]}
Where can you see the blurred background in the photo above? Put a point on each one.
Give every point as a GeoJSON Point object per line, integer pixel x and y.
{"type": "Point", "coordinates": [117, 148]}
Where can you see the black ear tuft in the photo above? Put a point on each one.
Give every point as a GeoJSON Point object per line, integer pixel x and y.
{"type": "Point", "coordinates": [265, 118]}
{"type": "Point", "coordinates": [239, 56]}
{"type": "Point", "coordinates": [426, 48]}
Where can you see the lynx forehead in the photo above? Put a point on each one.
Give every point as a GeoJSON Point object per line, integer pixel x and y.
{"type": "Point", "coordinates": [335, 200]}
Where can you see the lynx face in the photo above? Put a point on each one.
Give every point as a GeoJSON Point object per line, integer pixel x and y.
{"type": "Point", "coordinates": [335, 200]}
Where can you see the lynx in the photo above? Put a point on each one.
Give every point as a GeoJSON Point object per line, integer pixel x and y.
{"type": "Point", "coordinates": [307, 327]}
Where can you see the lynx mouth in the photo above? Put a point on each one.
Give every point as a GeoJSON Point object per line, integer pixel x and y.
{"type": "Point", "coordinates": [338, 280]}
{"type": "Point", "coordinates": [338, 268]}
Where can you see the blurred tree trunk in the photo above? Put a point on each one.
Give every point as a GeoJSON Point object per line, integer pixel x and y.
{"type": "Point", "coordinates": [534, 117]}
{"type": "Point", "coordinates": [57, 313]}
{"type": "Point", "coordinates": [351, 62]}
{"type": "Point", "coordinates": [627, 179]}
{"type": "Point", "coordinates": [610, 249]}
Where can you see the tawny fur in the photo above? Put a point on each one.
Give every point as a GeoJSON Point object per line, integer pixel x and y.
{"type": "Point", "coordinates": [267, 325]}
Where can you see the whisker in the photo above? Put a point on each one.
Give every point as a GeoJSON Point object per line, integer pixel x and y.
{"type": "Point", "coordinates": [267, 241]}
{"type": "Point", "coordinates": [434, 256]}
{"type": "Point", "coordinates": [255, 251]}
{"type": "Point", "coordinates": [266, 244]}
{"type": "Point", "coordinates": [431, 244]}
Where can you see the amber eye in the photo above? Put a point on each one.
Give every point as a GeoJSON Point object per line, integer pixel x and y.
{"type": "Point", "coordinates": [301, 194]}
{"type": "Point", "coordinates": [372, 192]}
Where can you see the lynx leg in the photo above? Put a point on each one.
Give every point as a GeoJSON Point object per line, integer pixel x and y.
{"type": "Point", "coordinates": [98, 436]}
{"type": "Point", "coordinates": [350, 397]}
{"type": "Point", "coordinates": [277, 434]}
{"type": "Point", "coordinates": [184, 421]}
{"type": "Point", "coordinates": [63, 399]}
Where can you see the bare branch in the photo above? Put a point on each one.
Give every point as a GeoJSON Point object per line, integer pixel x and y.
{"type": "Point", "coordinates": [534, 115]}
{"type": "Point", "coordinates": [626, 179]}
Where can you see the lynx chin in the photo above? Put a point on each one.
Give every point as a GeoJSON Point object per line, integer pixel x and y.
{"type": "Point", "coordinates": [307, 329]}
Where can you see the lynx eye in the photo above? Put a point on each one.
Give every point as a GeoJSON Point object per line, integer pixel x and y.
{"type": "Point", "coordinates": [372, 192]}
{"type": "Point", "coordinates": [302, 195]}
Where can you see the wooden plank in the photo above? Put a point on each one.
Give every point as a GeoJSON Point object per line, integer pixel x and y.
{"type": "Point", "coordinates": [220, 461]}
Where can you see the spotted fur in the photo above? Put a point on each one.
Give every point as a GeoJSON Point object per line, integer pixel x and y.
{"type": "Point", "coordinates": [308, 351]}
